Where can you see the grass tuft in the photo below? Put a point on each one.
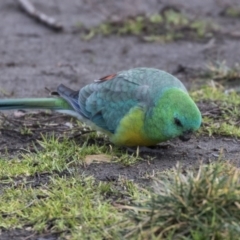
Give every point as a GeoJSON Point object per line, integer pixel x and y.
{"type": "Point", "coordinates": [194, 204]}
{"type": "Point", "coordinates": [219, 71]}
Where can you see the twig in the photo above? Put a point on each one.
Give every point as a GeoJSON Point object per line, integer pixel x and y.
{"type": "Point", "coordinates": [41, 17]}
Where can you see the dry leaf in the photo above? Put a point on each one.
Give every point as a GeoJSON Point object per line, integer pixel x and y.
{"type": "Point", "coordinates": [68, 124]}
{"type": "Point", "coordinates": [19, 113]}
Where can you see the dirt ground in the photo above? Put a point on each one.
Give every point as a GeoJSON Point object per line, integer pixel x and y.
{"type": "Point", "coordinates": [34, 57]}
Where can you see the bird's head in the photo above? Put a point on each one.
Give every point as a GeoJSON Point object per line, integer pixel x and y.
{"type": "Point", "coordinates": [174, 115]}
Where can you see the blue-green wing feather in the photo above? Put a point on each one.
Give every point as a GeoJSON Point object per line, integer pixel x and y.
{"type": "Point", "coordinates": [105, 103]}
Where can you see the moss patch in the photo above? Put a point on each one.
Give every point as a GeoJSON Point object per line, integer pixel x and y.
{"type": "Point", "coordinates": [233, 12]}
{"type": "Point", "coordinates": [170, 25]}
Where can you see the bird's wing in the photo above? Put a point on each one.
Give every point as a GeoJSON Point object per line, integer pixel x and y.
{"type": "Point", "coordinates": [109, 99]}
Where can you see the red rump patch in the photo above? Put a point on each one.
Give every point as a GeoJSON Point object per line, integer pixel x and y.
{"type": "Point", "coordinates": [108, 77]}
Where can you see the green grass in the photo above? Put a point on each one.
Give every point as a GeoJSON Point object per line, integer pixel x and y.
{"type": "Point", "coordinates": [57, 156]}
{"type": "Point", "coordinates": [221, 106]}
{"type": "Point", "coordinates": [72, 205]}
{"type": "Point", "coordinates": [54, 156]}
{"type": "Point", "coordinates": [168, 26]}
{"type": "Point", "coordinates": [223, 113]}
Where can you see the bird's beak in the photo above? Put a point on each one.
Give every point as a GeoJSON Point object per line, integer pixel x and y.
{"type": "Point", "coordinates": [186, 136]}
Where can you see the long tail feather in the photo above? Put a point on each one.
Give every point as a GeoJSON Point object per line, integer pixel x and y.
{"type": "Point", "coordinates": [35, 103]}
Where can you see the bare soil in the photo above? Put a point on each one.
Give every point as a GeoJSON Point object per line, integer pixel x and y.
{"type": "Point", "coordinates": [34, 57]}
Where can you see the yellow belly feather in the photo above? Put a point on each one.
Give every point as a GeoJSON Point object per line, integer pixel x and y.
{"type": "Point", "coordinates": [130, 131]}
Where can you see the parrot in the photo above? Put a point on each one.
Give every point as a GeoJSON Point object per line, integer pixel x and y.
{"type": "Point", "coordinates": [136, 107]}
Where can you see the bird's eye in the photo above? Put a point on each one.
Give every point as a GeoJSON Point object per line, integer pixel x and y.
{"type": "Point", "coordinates": [177, 122]}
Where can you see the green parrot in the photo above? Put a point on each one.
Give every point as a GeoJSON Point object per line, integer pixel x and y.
{"type": "Point", "coordinates": [137, 107]}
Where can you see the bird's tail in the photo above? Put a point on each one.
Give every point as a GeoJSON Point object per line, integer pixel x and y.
{"type": "Point", "coordinates": [57, 104]}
